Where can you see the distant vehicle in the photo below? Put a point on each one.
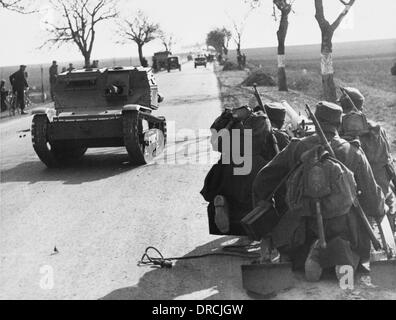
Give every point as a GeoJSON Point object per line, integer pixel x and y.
{"type": "Point", "coordinates": [190, 57]}
{"type": "Point", "coordinates": [393, 70]}
{"type": "Point", "coordinates": [174, 63]}
{"type": "Point", "coordinates": [160, 60]}
{"type": "Point", "coordinates": [100, 108]}
{"type": "Point", "coordinates": [200, 61]}
{"type": "Point", "coordinates": [210, 57]}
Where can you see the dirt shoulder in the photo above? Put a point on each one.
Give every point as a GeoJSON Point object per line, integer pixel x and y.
{"type": "Point", "coordinates": [233, 94]}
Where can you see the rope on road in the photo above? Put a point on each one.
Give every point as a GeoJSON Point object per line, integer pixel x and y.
{"type": "Point", "coordinates": [166, 263]}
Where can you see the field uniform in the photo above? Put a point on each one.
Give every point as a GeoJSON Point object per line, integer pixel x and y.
{"type": "Point", "coordinates": [348, 243]}
{"type": "Point", "coordinates": [19, 84]}
{"type": "Point", "coordinates": [221, 180]}
{"type": "Point", "coordinates": [376, 146]}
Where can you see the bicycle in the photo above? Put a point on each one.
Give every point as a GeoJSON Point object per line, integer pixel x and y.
{"type": "Point", "coordinates": [12, 101]}
{"type": "Point", "coordinates": [12, 104]}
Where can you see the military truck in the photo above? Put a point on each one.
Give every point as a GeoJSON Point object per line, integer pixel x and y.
{"type": "Point", "coordinates": [100, 108]}
{"type": "Point", "coordinates": [160, 60]}
{"type": "Point", "coordinates": [174, 63]}
{"type": "Point", "coordinates": [200, 61]}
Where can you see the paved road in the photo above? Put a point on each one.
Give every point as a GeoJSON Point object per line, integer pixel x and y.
{"type": "Point", "coordinates": [102, 213]}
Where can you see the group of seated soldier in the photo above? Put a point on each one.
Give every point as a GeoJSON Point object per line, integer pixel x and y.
{"type": "Point", "coordinates": [361, 148]}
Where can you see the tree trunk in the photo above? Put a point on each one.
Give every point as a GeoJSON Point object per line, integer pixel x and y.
{"type": "Point", "coordinates": [282, 32]}
{"type": "Point", "coordinates": [329, 89]}
{"type": "Point", "coordinates": [239, 56]}
{"type": "Point", "coordinates": [141, 57]}
{"type": "Point", "coordinates": [87, 60]}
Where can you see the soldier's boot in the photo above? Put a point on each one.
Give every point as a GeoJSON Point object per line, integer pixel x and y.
{"type": "Point", "coordinates": [313, 270]}
{"type": "Point", "coordinates": [222, 216]}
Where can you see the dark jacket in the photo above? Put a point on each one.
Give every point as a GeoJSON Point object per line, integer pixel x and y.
{"type": "Point", "coordinates": [221, 179]}
{"type": "Point", "coordinates": [53, 73]}
{"type": "Point", "coordinates": [18, 81]}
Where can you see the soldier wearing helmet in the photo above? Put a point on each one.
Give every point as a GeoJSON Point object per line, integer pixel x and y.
{"type": "Point", "coordinates": [374, 142]}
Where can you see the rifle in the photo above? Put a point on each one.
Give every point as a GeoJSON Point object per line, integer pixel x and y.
{"type": "Point", "coordinates": [377, 245]}
{"type": "Point", "coordinates": [261, 104]}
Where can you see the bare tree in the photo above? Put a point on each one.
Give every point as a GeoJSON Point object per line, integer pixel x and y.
{"type": "Point", "coordinates": [78, 21]}
{"type": "Point", "coordinates": [141, 31]}
{"type": "Point", "coordinates": [167, 40]}
{"type": "Point", "coordinates": [328, 30]}
{"type": "Point", "coordinates": [284, 7]}
{"type": "Point", "coordinates": [20, 6]}
{"type": "Point", "coordinates": [238, 28]}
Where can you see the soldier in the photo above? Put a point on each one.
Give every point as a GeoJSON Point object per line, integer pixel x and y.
{"type": "Point", "coordinates": [19, 85]}
{"type": "Point", "coordinates": [229, 195]}
{"type": "Point", "coordinates": [71, 67]}
{"type": "Point", "coordinates": [375, 144]}
{"type": "Point", "coordinates": [296, 235]}
{"type": "Point", "coordinates": [53, 74]}
{"type": "Point", "coordinates": [3, 96]}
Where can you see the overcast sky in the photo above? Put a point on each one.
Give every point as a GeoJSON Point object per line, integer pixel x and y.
{"type": "Point", "coordinates": [190, 21]}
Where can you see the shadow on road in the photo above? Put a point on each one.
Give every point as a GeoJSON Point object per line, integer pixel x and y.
{"type": "Point", "coordinates": [213, 278]}
{"type": "Point", "coordinates": [92, 167]}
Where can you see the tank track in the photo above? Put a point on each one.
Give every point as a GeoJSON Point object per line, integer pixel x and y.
{"type": "Point", "coordinates": [56, 155]}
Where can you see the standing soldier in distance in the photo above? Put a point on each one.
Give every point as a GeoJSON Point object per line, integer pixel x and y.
{"type": "Point", "coordinates": [375, 144]}
{"type": "Point", "coordinates": [19, 85]}
{"type": "Point", "coordinates": [53, 74]}
{"type": "Point", "coordinates": [3, 96]}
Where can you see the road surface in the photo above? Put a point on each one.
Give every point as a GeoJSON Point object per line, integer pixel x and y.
{"type": "Point", "coordinates": [101, 214]}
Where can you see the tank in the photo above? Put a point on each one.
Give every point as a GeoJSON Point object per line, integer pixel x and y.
{"type": "Point", "coordinates": [100, 108]}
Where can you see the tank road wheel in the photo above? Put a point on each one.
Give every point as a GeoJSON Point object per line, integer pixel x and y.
{"type": "Point", "coordinates": [40, 141]}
